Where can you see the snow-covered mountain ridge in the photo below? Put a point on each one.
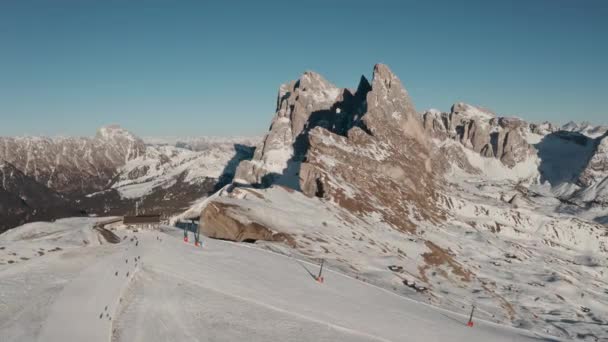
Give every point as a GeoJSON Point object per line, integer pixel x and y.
{"type": "Point", "coordinates": [108, 173]}
{"type": "Point", "coordinates": [459, 208]}
{"type": "Point", "coordinates": [72, 164]}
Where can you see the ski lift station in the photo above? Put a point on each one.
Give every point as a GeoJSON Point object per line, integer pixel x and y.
{"type": "Point", "coordinates": [142, 221]}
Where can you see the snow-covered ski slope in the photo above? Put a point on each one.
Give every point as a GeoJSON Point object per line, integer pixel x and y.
{"type": "Point", "coordinates": [154, 287]}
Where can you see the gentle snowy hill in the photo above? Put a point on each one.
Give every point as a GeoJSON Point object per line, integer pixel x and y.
{"type": "Point", "coordinates": [66, 284]}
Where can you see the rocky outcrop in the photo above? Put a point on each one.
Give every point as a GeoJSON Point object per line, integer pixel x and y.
{"type": "Point", "coordinates": [296, 102]}
{"type": "Point", "coordinates": [597, 167]}
{"type": "Point", "coordinates": [512, 147]}
{"type": "Point", "coordinates": [383, 160]}
{"type": "Point", "coordinates": [309, 102]}
{"type": "Point", "coordinates": [482, 131]}
{"type": "Point", "coordinates": [434, 123]}
{"type": "Point", "coordinates": [221, 221]}
{"type": "Point", "coordinates": [543, 128]}
{"type": "Point", "coordinates": [476, 136]}
{"type": "Point", "coordinates": [595, 195]}
{"type": "Point", "coordinates": [360, 149]}
{"type": "Point", "coordinates": [390, 111]}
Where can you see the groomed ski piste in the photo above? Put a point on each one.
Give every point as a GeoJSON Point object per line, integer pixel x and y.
{"type": "Point", "coordinates": [63, 281]}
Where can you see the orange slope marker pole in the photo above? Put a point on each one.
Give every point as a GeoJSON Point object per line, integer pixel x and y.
{"type": "Point", "coordinates": [320, 276]}
{"type": "Point", "coordinates": [470, 322]}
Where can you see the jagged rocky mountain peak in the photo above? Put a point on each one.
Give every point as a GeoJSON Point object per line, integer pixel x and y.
{"type": "Point", "coordinates": [543, 128]}
{"type": "Point", "coordinates": [364, 85]}
{"type": "Point", "coordinates": [375, 131]}
{"type": "Point", "coordinates": [381, 108]}
{"type": "Point", "coordinates": [115, 132]}
{"type": "Point", "coordinates": [389, 94]}
{"type": "Point", "coordinates": [390, 111]}
{"type": "Point", "coordinates": [311, 80]}
{"type": "Point", "coordinates": [468, 111]}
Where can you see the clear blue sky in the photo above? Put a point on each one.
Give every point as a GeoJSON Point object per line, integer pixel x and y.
{"type": "Point", "coordinates": [213, 68]}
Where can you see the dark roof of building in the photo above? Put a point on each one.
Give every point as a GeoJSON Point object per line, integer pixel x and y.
{"type": "Point", "coordinates": [141, 219]}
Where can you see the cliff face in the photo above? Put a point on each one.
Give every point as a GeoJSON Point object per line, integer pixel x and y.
{"type": "Point", "coordinates": [596, 169]}
{"type": "Point", "coordinates": [482, 131]}
{"type": "Point", "coordinates": [300, 104]}
{"type": "Point", "coordinates": [383, 162]}
{"type": "Point", "coordinates": [364, 150]}
{"type": "Point", "coordinates": [360, 149]}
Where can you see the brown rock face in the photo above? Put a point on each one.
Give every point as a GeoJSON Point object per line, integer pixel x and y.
{"type": "Point", "coordinates": [362, 150]}
{"type": "Point", "coordinates": [308, 101]}
{"type": "Point", "coordinates": [390, 110]}
{"type": "Point", "coordinates": [220, 221]}
{"type": "Point", "coordinates": [512, 147]}
{"type": "Point", "coordinates": [476, 136]}
{"type": "Point", "coordinates": [481, 131]}
{"type": "Point", "coordinates": [596, 169]}
{"type": "Point", "coordinates": [384, 163]}
{"type": "Point", "coordinates": [434, 124]}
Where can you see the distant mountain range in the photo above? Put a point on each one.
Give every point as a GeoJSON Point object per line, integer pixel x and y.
{"type": "Point", "coordinates": [48, 178]}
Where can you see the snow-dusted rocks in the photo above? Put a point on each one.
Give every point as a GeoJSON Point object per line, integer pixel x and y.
{"type": "Point", "coordinates": [121, 142]}
{"type": "Point", "coordinates": [220, 222]}
{"type": "Point", "coordinates": [585, 128]}
{"type": "Point", "coordinates": [476, 136]}
{"type": "Point", "coordinates": [512, 148]}
{"type": "Point", "coordinates": [346, 138]}
{"type": "Point", "coordinates": [167, 179]}
{"type": "Point", "coordinates": [390, 110]}
{"type": "Point", "coordinates": [542, 128]}
{"type": "Point", "coordinates": [481, 131]}
{"type": "Point", "coordinates": [595, 194]}
{"type": "Point", "coordinates": [597, 167]}
{"type": "Point", "coordinates": [299, 103]}
{"type": "Point", "coordinates": [388, 157]}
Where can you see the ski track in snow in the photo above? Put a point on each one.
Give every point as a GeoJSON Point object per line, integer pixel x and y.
{"type": "Point", "coordinates": [222, 292]}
